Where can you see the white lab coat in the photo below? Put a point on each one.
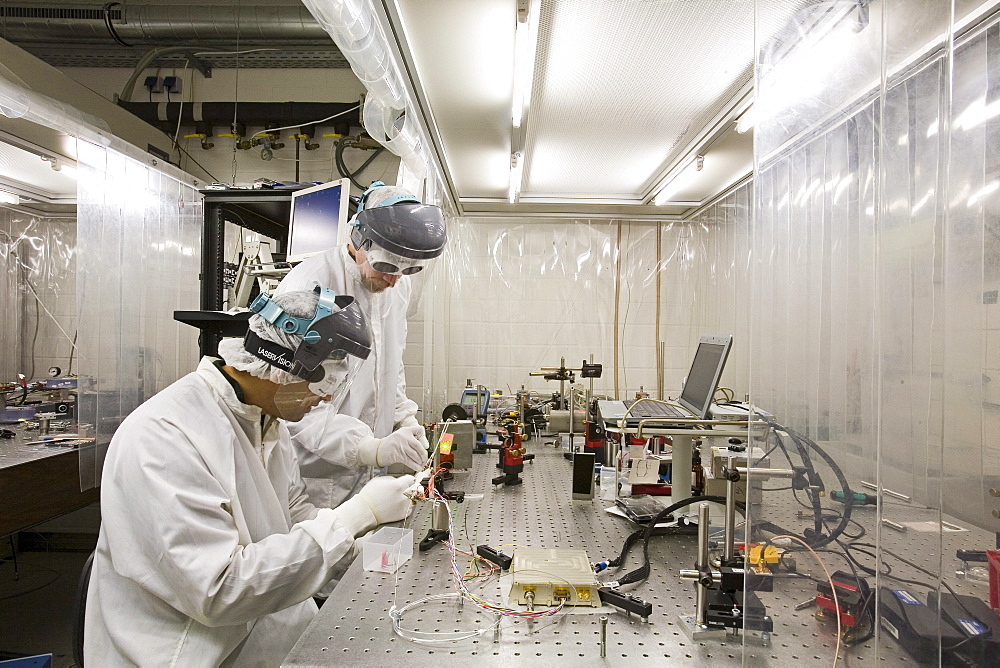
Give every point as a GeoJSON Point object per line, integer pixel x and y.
{"type": "Point", "coordinates": [326, 440]}
{"type": "Point", "coordinates": [209, 552]}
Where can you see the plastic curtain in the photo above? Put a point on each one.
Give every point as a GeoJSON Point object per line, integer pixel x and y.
{"type": "Point", "coordinates": [873, 304]}
{"type": "Point", "coordinates": [37, 293]}
{"type": "Point", "coordinates": [139, 235]}
{"type": "Point", "coordinates": [508, 298]}
{"type": "Point", "coordinates": [17, 100]}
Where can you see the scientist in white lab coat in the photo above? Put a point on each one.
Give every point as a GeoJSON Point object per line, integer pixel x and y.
{"type": "Point", "coordinates": [209, 552]}
{"type": "Point", "coordinates": [393, 236]}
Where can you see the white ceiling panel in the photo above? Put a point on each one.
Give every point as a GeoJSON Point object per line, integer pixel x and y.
{"type": "Point", "coordinates": [26, 174]}
{"type": "Point", "coordinates": [625, 92]}
{"type": "Point", "coordinates": [622, 85]}
{"type": "Point", "coordinates": [463, 51]}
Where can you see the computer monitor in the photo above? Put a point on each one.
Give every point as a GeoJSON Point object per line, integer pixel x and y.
{"type": "Point", "coordinates": [706, 369]}
{"type": "Point", "coordinates": [317, 213]}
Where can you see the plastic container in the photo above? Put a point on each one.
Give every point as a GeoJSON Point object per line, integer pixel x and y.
{"type": "Point", "coordinates": [387, 550]}
{"type": "Point", "coordinates": [609, 483]}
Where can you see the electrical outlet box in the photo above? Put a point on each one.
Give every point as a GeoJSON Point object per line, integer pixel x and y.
{"type": "Point", "coordinates": [154, 84]}
{"type": "Point", "coordinates": [172, 84]}
{"type": "Point", "coordinates": [551, 575]}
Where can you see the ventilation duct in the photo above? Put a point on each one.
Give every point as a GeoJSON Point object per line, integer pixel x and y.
{"type": "Point", "coordinates": [137, 24]}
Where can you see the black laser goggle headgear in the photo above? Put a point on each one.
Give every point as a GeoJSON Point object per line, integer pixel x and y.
{"type": "Point", "coordinates": [338, 328]}
{"type": "Point", "coordinates": [399, 235]}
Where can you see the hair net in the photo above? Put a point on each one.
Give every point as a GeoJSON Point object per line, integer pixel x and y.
{"type": "Point", "coordinates": [378, 196]}
{"type": "Point", "coordinates": [299, 303]}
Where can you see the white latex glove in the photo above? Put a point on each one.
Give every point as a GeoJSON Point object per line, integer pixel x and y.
{"type": "Point", "coordinates": [403, 446]}
{"type": "Point", "coordinates": [385, 498]}
{"type": "Point", "coordinates": [411, 421]}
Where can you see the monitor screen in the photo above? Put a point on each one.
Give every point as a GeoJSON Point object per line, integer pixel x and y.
{"type": "Point", "coordinates": [469, 400]}
{"type": "Point", "coordinates": [706, 369]}
{"type": "Point", "coordinates": [317, 212]}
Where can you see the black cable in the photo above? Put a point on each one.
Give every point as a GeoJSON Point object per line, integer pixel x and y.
{"type": "Point", "coordinates": [795, 493]}
{"type": "Point", "coordinates": [922, 570]}
{"type": "Point", "coordinates": [629, 542]}
{"type": "Point", "coordinates": [369, 160]}
{"type": "Point", "coordinates": [851, 536]}
{"type": "Point", "coordinates": [856, 523]}
{"type": "Point", "coordinates": [110, 26]}
{"type": "Point", "coordinates": [803, 445]}
{"type": "Point", "coordinates": [34, 337]}
{"type": "Point", "coordinates": [814, 481]}
{"type": "Point", "coordinates": [849, 547]}
{"type": "Point", "coordinates": [641, 573]}
{"type": "Point", "coordinates": [54, 572]}
{"type": "Point", "coordinates": [72, 349]}
{"type": "Point", "coordinates": [342, 166]}
{"type": "Point", "coordinates": [181, 149]}
{"type": "Point", "coordinates": [32, 590]}
{"type": "Point", "coordinates": [859, 547]}
{"type": "Point", "coordinates": [338, 159]}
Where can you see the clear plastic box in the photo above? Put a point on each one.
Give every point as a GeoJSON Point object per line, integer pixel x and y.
{"type": "Point", "coordinates": [387, 550]}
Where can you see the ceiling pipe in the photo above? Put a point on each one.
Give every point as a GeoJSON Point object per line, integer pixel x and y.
{"type": "Point", "coordinates": [278, 114]}
{"type": "Point", "coordinates": [152, 24]}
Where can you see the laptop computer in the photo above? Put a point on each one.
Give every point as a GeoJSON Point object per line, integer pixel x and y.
{"type": "Point", "coordinates": [696, 396]}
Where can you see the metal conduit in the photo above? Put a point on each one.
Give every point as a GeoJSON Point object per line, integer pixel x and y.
{"type": "Point", "coordinates": [204, 25]}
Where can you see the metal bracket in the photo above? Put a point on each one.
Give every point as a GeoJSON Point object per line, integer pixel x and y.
{"type": "Point", "coordinates": [199, 64]}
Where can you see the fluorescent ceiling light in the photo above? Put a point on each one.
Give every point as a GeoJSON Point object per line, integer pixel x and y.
{"type": "Point", "coordinates": [516, 169]}
{"type": "Point", "coordinates": [9, 198]}
{"type": "Point", "coordinates": [680, 179]}
{"type": "Point", "coordinates": [800, 75]}
{"type": "Point", "coordinates": [525, 39]}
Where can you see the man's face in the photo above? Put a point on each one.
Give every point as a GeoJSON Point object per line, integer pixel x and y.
{"type": "Point", "coordinates": [293, 401]}
{"type": "Point", "coordinates": [374, 281]}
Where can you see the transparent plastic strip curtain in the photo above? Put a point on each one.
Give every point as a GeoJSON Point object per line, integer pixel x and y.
{"type": "Point", "coordinates": [37, 293]}
{"type": "Point", "coordinates": [874, 314]}
{"type": "Point", "coordinates": [510, 297]}
{"type": "Point", "coordinates": [714, 297]}
{"type": "Point", "coordinates": [139, 234]}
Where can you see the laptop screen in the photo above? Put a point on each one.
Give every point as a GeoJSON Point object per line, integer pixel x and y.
{"type": "Point", "coordinates": [706, 369]}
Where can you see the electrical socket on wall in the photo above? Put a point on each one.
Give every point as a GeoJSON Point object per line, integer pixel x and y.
{"type": "Point", "coordinates": [154, 84]}
{"type": "Point", "coordinates": [172, 84]}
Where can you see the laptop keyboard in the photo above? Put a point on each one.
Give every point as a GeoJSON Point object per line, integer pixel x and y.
{"type": "Point", "coordinates": [652, 409]}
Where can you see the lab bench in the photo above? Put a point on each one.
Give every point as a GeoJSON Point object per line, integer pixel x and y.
{"type": "Point", "coordinates": [354, 626]}
{"type": "Point", "coordinates": [38, 482]}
